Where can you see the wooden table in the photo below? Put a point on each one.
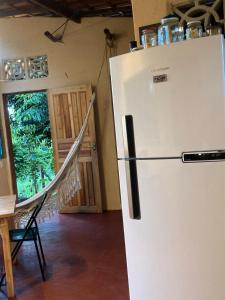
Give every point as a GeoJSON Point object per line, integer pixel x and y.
{"type": "Point", "coordinates": [7, 209]}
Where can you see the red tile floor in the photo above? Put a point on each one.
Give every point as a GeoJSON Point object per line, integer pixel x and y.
{"type": "Point", "coordinates": [85, 260]}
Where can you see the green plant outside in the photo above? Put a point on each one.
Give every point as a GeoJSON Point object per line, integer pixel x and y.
{"type": "Point", "coordinates": [31, 139]}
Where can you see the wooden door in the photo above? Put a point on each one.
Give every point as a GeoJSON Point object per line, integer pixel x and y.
{"type": "Point", "coordinates": [68, 108]}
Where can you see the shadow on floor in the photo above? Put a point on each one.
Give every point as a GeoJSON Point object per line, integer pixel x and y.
{"type": "Point", "coordinates": [85, 260]}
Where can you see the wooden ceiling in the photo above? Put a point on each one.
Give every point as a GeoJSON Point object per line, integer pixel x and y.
{"type": "Point", "coordinates": [74, 10]}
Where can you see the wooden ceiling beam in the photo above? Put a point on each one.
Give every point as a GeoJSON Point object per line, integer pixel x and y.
{"type": "Point", "coordinates": [57, 9]}
{"type": "Point", "coordinates": [124, 12]}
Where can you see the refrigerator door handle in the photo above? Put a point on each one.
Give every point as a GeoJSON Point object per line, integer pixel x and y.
{"type": "Point", "coordinates": [131, 168]}
{"type": "Point", "coordinates": [203, 156]}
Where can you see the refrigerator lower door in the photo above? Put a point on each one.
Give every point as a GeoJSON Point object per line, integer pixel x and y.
{"type": "Point", "coordinates": [177, 249]}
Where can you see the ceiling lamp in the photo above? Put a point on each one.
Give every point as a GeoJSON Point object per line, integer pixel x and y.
{"type": "Point", "coordinates": [57, 38]}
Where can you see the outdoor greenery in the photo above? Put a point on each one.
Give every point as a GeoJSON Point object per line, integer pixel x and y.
{"type": "Point", "coordinates": [31, 139]}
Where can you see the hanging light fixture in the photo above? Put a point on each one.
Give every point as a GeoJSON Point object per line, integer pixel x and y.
{"type": "Point", "coordinates": [57, 38]}
{"type": "Point", "coordinates": [109, 37]}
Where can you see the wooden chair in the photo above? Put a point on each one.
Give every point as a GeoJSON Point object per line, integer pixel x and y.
{"type": "Point", "coordinates": [29, 233]}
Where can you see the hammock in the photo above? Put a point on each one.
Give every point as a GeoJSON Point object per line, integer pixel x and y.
{"type": "Point", "coordinates": [62, 188]}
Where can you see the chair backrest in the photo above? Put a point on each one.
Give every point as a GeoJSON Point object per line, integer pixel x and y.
{"type": "Point", "coordinates": [36, 211]}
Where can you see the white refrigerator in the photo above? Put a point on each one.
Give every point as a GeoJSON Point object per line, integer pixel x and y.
{"type": "Point", "coordinates": [169, 111]}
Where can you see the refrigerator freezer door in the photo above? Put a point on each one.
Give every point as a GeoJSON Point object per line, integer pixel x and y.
{"type": "Point", "coordinates": [177, 250]}
{"type": "Point", "coordinates": [176, 96]}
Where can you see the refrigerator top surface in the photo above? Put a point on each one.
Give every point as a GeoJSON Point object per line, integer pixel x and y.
{"type": "Point", "coordinates": [175, 95]}
{"type": "Point", "coordinates": [204, 41]}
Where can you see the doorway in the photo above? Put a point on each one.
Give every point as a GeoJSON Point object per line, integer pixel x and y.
{"type": "Point", "coordinates": [30, 142]}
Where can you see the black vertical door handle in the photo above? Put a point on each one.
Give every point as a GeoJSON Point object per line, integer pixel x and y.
{"type": "Point", "coordinates": [131, 167]}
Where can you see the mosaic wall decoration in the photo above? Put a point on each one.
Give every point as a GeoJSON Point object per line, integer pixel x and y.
{"type": "Point", "coordinates": [37, 66]}
{"type": "Point", "coordinates": [206, 11]}
{"type": "Point", "coordinates": [14, 69]}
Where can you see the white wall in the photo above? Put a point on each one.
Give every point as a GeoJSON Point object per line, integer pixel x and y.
{"type": "Point", "coordinates": [77, 61]}
{"type": "Point", "coordinates": [146, 12]}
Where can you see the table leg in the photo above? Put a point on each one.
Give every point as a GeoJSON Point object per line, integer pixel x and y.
{"type": "Point", "coordinates": [7, 257]}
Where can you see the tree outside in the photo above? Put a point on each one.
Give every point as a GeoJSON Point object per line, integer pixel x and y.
{"type": "Point", "coordinates": [32, 144]}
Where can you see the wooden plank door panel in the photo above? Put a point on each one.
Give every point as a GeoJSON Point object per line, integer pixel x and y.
{"type": "Point", "coordinates": [68, 108]}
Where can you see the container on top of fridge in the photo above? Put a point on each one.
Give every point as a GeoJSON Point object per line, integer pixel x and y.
{"type": "Point", "coordinates": [194, 30]}
{"type": "Point", "coordinates": [170, 31]}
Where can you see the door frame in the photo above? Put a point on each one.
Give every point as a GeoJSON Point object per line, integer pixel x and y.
{"type": "Point", "coordinates": [9, 145]}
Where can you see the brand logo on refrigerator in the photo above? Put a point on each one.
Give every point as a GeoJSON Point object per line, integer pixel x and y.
{"type": "Point", "coordinates": [160, 78]}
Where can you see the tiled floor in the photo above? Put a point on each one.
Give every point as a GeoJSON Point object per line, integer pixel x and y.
{"type": "Point", "coordinates": [85, 260]}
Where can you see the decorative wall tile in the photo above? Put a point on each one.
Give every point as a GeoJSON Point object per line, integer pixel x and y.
{"type": "Point", "coordinates": [206, 11]}
{"type": "Point", "coordinates": [14, 69]}
{"type": "Point", "coordinates": [37, 66]}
